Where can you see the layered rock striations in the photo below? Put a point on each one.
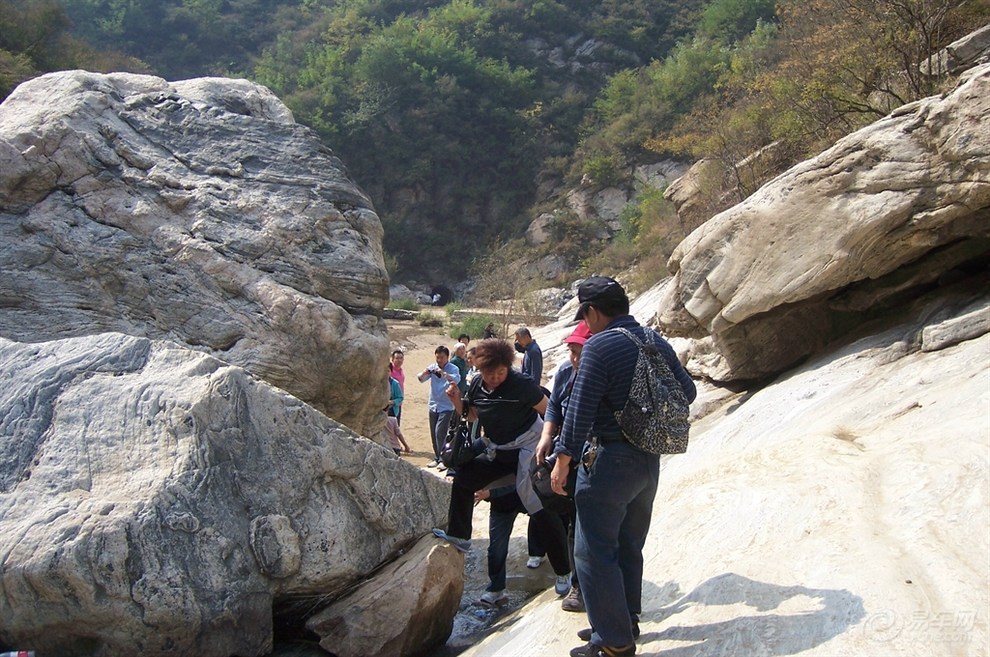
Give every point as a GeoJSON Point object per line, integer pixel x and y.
{"type": "Point", "coordinates": [887, 214]}
{"type": "Point", "coordinates": [158, 501]}
{"type": "Point", "coordinates": [198, 212]}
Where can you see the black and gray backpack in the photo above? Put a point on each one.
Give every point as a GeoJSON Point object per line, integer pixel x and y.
{"type": "Point", "coordinates": [655, 418]}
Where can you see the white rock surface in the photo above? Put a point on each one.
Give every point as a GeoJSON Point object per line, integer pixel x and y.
{"type": "Point", "coordinates": [881, 216]}
{"type": "Point", "coordinates": [843, 509]}
{"type": "Point", "coordinates": [157, 501]}
{"type": "Point", "coordinates": [197, 212]}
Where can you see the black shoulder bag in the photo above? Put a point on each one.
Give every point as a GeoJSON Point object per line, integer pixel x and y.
{"type": "Point", "coordinates": [458, 449]}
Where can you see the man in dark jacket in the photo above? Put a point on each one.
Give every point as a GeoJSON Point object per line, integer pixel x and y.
{"type": "Point", "coordinates": [532, 364]}
{"type": "Point", "coordinates": [615, 492]}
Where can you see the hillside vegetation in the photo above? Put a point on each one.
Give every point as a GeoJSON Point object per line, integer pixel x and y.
{"type": "Point", "coordinates": [464, 119]}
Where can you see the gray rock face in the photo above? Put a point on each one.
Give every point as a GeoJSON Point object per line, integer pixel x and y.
{"type": "Point", "coordinates": [198, 212]}
{"type": "Point", "coordinates": [157, 501]}
{"type": "Point", "coordinates": [888, 212]}
{"type": "Point", "coordinates": [972, 49]}
{"type": "Point", "coordinates": [409, 604]}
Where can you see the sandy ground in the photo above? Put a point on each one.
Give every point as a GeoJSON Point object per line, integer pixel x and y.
{"type": "Point", "coordinates": [418, 343]}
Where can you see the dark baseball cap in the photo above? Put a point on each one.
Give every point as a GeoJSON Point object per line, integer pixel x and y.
{"type": "Point", "coordinates": [599, 290]}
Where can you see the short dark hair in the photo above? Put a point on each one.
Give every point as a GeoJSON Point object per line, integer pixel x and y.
{"type": "Point", "coordinates": [442, 350]}
{"type": "Point", "coordinates": [612, 307]}
{"type": "Point", "coordinates": [494, 352]}
{"type": "Point", "coordinates": [399, 351]}
{"type": "Point", "coordinates": [462, 336]}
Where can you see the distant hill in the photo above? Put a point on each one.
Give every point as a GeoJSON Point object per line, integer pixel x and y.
{"type": "Point", "coordinates": [466, 120]}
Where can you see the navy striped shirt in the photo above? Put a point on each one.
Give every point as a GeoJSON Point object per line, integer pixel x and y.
{"type": "Point", "coordinates": [601, 388]}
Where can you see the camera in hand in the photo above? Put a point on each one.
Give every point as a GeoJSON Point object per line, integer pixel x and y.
{"type": "Point", "coordinates": [437, 373]}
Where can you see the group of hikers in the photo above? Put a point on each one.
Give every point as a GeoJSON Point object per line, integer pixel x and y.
{"type": "Point", "coordinates": [593, 525]}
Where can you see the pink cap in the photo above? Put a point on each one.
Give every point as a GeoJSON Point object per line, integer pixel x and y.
{"type": "Point", "coordinates": [579, 335]}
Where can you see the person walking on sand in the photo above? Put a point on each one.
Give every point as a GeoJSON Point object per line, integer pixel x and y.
{"type": "Point", "coordinates": [393, 437]}
{"type": "Point", "coordinates": [459, 360]}
{"type": "Point", "coordinates": [395, 371]}
{"type": "Point", "coordinates": [532, 363]}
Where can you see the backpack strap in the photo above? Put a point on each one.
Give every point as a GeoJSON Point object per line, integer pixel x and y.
{"type": "Point", "coordinates": [650, 335]}
{"type": "Point", "coordinates": [629, 334]}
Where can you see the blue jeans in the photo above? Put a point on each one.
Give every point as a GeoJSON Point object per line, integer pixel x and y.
{"type": "Point", "coordinates": [614, 505]}
{"type": "Point", "coordinates": [439, 423]}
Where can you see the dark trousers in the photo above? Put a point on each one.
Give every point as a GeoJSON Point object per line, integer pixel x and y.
{"type": "Point", "coordinates": [614, 508]}
{"type": "Point", "coordinates": [570, 523]}
{"type": "Point", "coordinates": [501, 517]}
{"type": "Point", "coordinates": [533, 545]}
{"type": "Point", "coordinates": [479, 473]}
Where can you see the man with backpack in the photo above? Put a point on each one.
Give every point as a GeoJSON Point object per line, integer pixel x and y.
{"type": "Point", "coordinates": [617, 481]}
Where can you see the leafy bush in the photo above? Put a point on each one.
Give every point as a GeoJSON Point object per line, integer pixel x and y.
{"type": "Point", "coordinates": [473, 325]}
{"type": "Point", "coordinates": [403, 304]}
{"type": "Point", "coordinates": [429, 319]}
{"type": "Point", "coordinates": [604, 169]}
{"type": "Point", "coordinates": [730, 20]}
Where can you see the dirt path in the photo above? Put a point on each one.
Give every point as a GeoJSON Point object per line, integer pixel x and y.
{"type": "Point", "coordinates": [418, 343]}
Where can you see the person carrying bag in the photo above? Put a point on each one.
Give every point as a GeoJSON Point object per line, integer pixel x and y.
{"type": "Point", "coordinates": [508, 405]}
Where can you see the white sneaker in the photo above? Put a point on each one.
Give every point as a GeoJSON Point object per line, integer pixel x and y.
{"type": "Point", "coordinates": [494, 597]}
{"type": "Point", "coordinates": [432, 464]}
{"type": "Point", "coordinates": [562, 584]}
{"type": "Point", "coordinates": [534, 562]}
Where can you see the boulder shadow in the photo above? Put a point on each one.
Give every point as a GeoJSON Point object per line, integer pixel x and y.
{"type": "Point", "coordinates": [811, 618]}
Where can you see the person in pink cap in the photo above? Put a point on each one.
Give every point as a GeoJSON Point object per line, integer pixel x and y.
{"type": "Point", "coordinates": [563, 383]}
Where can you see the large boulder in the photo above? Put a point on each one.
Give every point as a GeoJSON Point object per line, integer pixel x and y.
{"type": "Point", "coordinates": [408, 604]}
{"type": "Point", "coordinates": [157, 501]}
{"type": "Point", "coordinates": [889, 212]}
{"type": "Point", "coordinates": [198, 212]}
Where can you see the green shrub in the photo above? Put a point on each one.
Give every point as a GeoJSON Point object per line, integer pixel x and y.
{"type": "Point", "coordinates": [403, 304]}
{"type": "Point", "coordinates": [604, 169]}
{"type": "Point", "coordinates": [473, 325]}
{"type": "Point", "coordinates": [429, 319]}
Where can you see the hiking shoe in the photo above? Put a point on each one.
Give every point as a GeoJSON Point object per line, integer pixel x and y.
{"type": "Point", "coordinates": [573, 600]}
{"type": "Point", "coordinates": [585, 634]}
{"type": "Point", "coordinates": [591, 650]}
{"type": "Point", "coordinates": [432, 464]}
{"type": "Point", "coordinates": [494, 597]}
{"type": "Point", "coordinates": [462, 544]}
{"type": "Point", "coordinates": [534, 562]}
{"type": "Point", "coordinates": [562, 584]}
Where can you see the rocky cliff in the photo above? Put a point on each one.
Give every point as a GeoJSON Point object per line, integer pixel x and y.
{"type": "Point", "coordinates": [889, 213]}
{"type": "Point", "coordinates": [175, 260]}
{"type": "Point", "coordinates": [198, 212]}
